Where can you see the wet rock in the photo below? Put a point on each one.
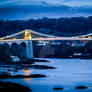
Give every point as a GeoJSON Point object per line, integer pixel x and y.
{"type": "Point", "coordinates": [28, 61]}
{"type": "Point", "coordinates": [58, 88]}
{"type": "Point", "coordinates": [42, 67]}
{"type": "Point", "coordinates": [35, 60]}
{"type": "Point", "coordinates": [22, 76]}
{"type": "Point", "coordinates": [39, 60]}
{"type": "Point", "coordinates": [21, 62]}
{"type": "Point", "coordinates": [37, 76]}
{"type": "Point", "coordinates": [81, 87]}
{"type": "Point", "coordinates": [13, 87]}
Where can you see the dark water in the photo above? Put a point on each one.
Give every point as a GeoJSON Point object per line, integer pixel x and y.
{"type": "Point", "coordinates": [69, 74]}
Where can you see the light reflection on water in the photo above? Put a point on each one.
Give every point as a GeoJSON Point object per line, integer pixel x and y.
{"type": "Point", "coordinates": [69, 73]}
{"type": "Point", "coordinates": [27, 72]}
{"type": "Point", "coordinates": [27, 79]}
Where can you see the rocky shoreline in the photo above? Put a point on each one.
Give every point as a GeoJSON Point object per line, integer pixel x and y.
{"type": "Point", "coordinates": [13, 87]}
{"type": "Point", "coordinates": [4, 76]}
{"type": "Point", "coordinates": [26, 66]}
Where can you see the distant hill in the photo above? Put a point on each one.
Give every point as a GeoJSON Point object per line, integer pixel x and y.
{"type": "Point", "coordinates": [53, 26]}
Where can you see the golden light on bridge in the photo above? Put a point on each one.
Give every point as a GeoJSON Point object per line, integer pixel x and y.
{"type": "Point", "coordinates": [27, 35]}
{"type": "Point", "coordinates": [26, 32]}
{"type": "Point", "coordinates": [14, 38]}
{"type": "Point", "coordinates": [1, 38]}
{"type": "Point", "coordinates": [30, 37]}
{"type": "Point", "coordinates": [84, 37]}
{"type": "Point", "coordinates": [89, 37]}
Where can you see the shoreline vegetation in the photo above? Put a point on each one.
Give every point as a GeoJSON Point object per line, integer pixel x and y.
{"type": "Point", "coordinates": [15, 66]}
{"type": "Point", "coordinates": [62, 26]}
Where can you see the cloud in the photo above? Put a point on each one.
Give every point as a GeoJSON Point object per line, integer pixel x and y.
{"type": "Point", "coordinates": [78, 2]}
{"type": "Point", "coordinates": [46, 2]}
{"type": "Point", "coordinates": [13, 9]}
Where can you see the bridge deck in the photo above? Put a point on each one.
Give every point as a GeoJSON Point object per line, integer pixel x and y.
{"type": "Point", "coordinates": [47, 39]}
{"type": "Point", "coordinates": [28, 36]}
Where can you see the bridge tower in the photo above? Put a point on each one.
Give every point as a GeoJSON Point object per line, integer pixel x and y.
{"type": "Point", "coordinates": [29, 50]}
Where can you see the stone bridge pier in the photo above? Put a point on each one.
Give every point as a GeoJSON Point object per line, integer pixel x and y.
{"type": "Point", "coordinates": [29, 50]}
{"type": "Point", "coordinates": [23, 44]}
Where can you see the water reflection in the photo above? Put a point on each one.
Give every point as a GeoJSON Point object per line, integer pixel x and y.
{"type": "Point", "coordinates": [28, 79]}
{"type": "Point", "coordinates": [27, 72]}
{"type": "Point", "coordinates": [69, 74]}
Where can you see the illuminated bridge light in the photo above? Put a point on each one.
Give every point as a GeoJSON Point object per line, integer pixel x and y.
{"type": "Point", "coordinates": [27, 35]}
{"type": "Point", "coordinates": [73, 44]}
{"type": "Point", "coordinates": [89, 37]}
{"type": "Point", "coordinates": [14, 38]}
{"type": "Point", "coordinates": [7, 36]}
{"type": "Point", "coordinates": [83, 37]}
{"type": "Point", "coordinates": [30, 37]}
{"type": "Point", "coordinates": [1, 38]}
{"type": "Point", "coordinates": [26, 31]}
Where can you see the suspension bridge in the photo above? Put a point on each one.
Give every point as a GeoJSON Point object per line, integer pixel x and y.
{"type": "Point", "coordinates": [27, 36]}
{"type": "Point", "coordinates": [32, 35]}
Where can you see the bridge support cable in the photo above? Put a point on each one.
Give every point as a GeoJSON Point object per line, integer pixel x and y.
{"type": "Point", "coordinates": [13, 35]}
{"type": "Point", "coordinates": [83, 35]}
{"type": "Point", "coordinates": [42, 36]}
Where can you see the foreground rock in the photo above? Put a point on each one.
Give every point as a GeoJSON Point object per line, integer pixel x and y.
{"type": "Point", "coordinates": [36, 60]}
{"type": "Point", "coordinates": [39, 60]}
{"type": "Point", "coordinates": [28, 61]}
{"type": "Point", "coordinates": [81, 87]}
{"type": "Point", "coordinates": [42, 67]}
{"type": "Point", "coordinates": [13, 87]}
{"type": "Point", "coordinates": [22, 76]}
{"type": "Point", "coordinates": [58, 88]}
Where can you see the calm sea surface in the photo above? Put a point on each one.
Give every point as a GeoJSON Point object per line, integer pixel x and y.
{"type": "Point", "coordinates": [68, 74]}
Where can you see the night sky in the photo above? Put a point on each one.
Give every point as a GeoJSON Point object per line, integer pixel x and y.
{"type": "Point", "coordinates": [25, 9]}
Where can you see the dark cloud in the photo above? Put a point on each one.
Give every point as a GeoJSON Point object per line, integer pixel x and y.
{"type": "Point", "coordinates": [22, 9]}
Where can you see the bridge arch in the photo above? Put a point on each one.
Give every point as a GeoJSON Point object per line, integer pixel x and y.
{"type": "Point", "coordinates": [14, 49]}
{"type": "Point", "coordinates": [15, 45]}
{"type": "Point", "coordinates": [23, 50]}
{"type": "Point", "coordinates": [6, 45]}
{"type": "Point", "coordinates": [23, 44]}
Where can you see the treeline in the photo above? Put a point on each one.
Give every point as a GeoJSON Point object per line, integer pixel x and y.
{"type": "Point", "coordinates": [53, 26]}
